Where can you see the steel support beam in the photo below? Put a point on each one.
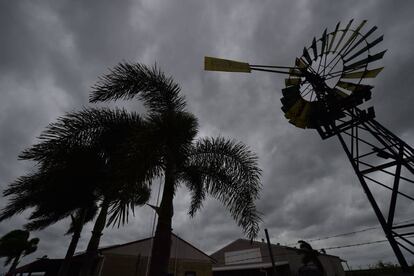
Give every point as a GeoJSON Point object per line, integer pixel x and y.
{"type": "Point", "coordinates": [387, 230]}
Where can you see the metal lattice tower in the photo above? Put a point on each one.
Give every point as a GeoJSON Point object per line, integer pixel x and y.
{"type": "Point", "coordinates": [327, 90]}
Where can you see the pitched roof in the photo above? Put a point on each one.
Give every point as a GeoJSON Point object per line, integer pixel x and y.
{"type": "Point", "coordinates": [101, 249]}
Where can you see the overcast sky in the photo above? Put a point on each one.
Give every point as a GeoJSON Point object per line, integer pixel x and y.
{"type": "Point", "coordinates": [52, 52]}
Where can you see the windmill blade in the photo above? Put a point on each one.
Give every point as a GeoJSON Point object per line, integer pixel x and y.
{"type": "Point", "coordinates": [323, 40]}
{"type": "Point", "coordinates": [353, 36]}
{"type": "Point", "coordinates": [299, 114]}
{"type": "Point", "coordinates": [296, 109]}
{"type": "Point", "coordinates": [366, 48]}
{"type": "Point", "coordinates": [300, 63]}
{"type": "Point", "coordinates": [364, 37]}
{"type": "Point", "coordinates": [295, 72]}
{"type": "Point", "coordinates": [340, 93]}
{"type": "Point", "coordinates": [362, 74]}
{"type": "Point", "coordinates": [303, 118]}
{"type": "Point", "coordinates": [291, 91]}
{"type": "Point", "coordinates": [288, 102]}
{"type": "Point", "coordinates": [307, 56]}
{"type": "Point", "coordinates": [315, 50]}
{"type": "Point", "coordinates": [333, 36]}
{"type": "Point", "coordinates": [292, 81]}
{"type": "Point", "coordinates": [225, 65]}
{"type": "Point", "coordinates": [343, 34]}
{"type": "Point", "coordinates": [353, 86]}
{"type": "Point", "coordinates": [364, 61]}
{"type": "Point", "coordinates": [290, 96]}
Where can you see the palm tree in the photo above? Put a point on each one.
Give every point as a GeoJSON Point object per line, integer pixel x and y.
{"type": "Point", "coordinates": [53, 196]}
{"type": "Point", "coordinates": [76, 170]}
{"type": "Point", "coordinates": [118, 190]}
{"type": "Point", "coordinates": [15, 244]}
{"type": "Point", "coordinates": [222, 168]}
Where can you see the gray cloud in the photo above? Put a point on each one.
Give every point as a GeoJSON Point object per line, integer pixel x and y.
{"type": "Point", "coordinates": [53, 51]}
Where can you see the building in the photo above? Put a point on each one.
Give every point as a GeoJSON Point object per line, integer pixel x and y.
{"type": "Point", "coordinates": [131, 259]}
{"type": "Point", "coordinates": [245, 258]}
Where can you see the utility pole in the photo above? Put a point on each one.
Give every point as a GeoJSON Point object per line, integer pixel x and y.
{"type": "Point", "coordinates": [270, 253]}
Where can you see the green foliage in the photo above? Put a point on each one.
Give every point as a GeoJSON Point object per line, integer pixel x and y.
{"type": "Point", "coordinates": [382, 264]}
{"type": "Point", "coordinates": [378, 269]}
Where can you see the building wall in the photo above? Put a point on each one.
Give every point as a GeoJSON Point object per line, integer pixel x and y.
{"type": "Point", "coordinates": [183, 266]}
{"type": "Point", "coordinates": [332, 264]}
{"type": "Point", "coordinates": [126, 265]}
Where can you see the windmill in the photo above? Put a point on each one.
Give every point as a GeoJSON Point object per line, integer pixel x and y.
{"type": "Point", "coordinates": [328, 89]}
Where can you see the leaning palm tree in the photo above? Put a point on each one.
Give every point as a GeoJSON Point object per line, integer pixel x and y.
{"type": "Point", "coordinates": [222, 168]}
{"type": "Point", "coordinates": [77, 170]}
{"type": "Point", "coordinates": [54, 193]}
{"type": "Point", "coordinates": [16, 244]}
{"type": "Point", "coordinates": [52, 196]}
{"type": "Point", "coordinates": [104, 131]}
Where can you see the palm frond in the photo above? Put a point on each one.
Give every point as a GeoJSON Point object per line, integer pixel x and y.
{"type": "Point", "coordinates": [78, 128]}
{"type": "Point", "coordinates": [139, 157]}
{"type": "Point", "coordinates": [42, 223]}
{"type": "Point", "coordinates": [52, 195]}
{"type": "Point", "coordinates": [229, 172]}
{"type": "Point", "coordinates": [159, 93]}
{"type": "Point", "coordinates": [193, 178]}
{"type": "Point", "coordinates": [125, 202]}
{"type": "Point", "coordinates": [23, 194]}
{"type": "Point", "coordinates": [82, 157]}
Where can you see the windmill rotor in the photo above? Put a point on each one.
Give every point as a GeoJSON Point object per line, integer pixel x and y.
{"type": "Point", "coordinates": [331, 76]}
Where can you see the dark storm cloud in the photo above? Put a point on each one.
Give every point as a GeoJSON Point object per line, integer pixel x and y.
{"type": "Point", "coordinates": [53, 51]}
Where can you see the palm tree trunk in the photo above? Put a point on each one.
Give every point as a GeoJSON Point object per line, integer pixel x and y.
{"type": "Point", "coordinates": [64, 268]}
{"type": "Point", "coordinates": [161, 248]}
{"type": "Point", "coordinates": [92, 249]}
{"type": "Point", "coordinates": [14, 265]}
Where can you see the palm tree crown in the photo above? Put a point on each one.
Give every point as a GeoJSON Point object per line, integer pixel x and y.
{"type": "Point", "coordinates": [77, 169]}
{"type": "Point", "coordinates": [222, 168]}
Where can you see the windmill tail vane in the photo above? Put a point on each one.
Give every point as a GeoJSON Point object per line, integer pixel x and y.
{"type": "Point", "coordinates": [228, 65]}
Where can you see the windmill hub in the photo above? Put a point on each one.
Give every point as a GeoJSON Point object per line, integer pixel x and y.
{"type": "Point", "coordinates": [331, 66]}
